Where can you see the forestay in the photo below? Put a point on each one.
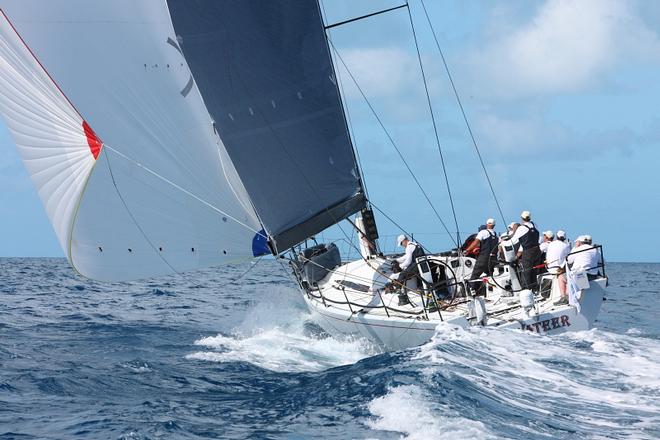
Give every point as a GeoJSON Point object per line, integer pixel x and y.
{"type": "Point", "coordinates": [265, 73]}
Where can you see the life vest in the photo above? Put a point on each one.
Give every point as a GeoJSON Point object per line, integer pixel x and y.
{"type": "Point", "coordinates": [488, 246]}
{"type": "Point", "coordinates": [467, 243]}
{"type": "Point", "coordinates": [531, 238]}
{"type": "Point", "coordinates": [418, 252]}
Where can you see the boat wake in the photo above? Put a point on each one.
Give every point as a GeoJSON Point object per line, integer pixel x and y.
{"type": "Point", "coordinates": [477, 382]}
{"type": "Point", "coordinates": [424, 417]}
{"type": "Point", "coordinates": [278, 334]}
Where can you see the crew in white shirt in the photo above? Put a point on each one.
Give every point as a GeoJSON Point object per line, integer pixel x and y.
{"type": "Point", "coordinates": [547, 239]}
{"type": "Point", "coordinates": [584, 256]}
{"type": "Point", "coordinates": [555, 258]}
{"type": "Point", "coordinates": [556, 252]}
{"type": "Point", "coordinates": [407, 258]}
{"type": "Point", "coordinates": [406, 263]}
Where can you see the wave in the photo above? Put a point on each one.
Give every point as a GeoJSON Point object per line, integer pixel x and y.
{"type": "Point", "coordinates": [583, 383]}
{"type": "Point", "coordinates": [278, 334]}
{"type": "Point", "coordinates": [407, 410]}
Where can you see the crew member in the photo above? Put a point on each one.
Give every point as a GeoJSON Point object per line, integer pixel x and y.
{"type": "Point", "coordinates": [548, 236]}
{"type": "Point", "coordinates": [487, 241]}
{"type": "Point", "coordinates": [585, 256]}
{"type": "Point", "coordinates": [529, 253]}
{"type": "Point", "coordinates": [511, 232]}
{"type": "Point", "coordinates": [407, 264]}
{"type": "Point", "coordinates": [555, 258]}
{"type": "Point", "coordinates": [468, 248]}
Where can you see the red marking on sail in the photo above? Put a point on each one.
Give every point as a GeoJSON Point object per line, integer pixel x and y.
{"type": "Point", "coordinates": [93, 141]}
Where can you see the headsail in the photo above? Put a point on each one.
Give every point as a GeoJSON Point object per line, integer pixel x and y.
{"type": "Point", "coordinates": [265, 73]}
{"type": "Point", "coordinates": [163, 195]}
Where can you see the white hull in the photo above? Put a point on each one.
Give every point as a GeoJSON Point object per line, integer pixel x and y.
{"type": "Point", "coordinates": [394, 330]}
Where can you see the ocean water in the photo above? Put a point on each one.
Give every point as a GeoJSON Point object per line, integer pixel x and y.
{"type": "Point", "coordinates": [203, 356]}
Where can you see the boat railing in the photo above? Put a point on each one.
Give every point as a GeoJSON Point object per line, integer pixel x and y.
{"type": "Point", "coordinates": [357, 308]}
{"type": "Point", "coordinates": [455, 285]}
{"type": "Point", "coordinates": [495, 262]}
{"type": "Point", "coordinates": [427, 294]}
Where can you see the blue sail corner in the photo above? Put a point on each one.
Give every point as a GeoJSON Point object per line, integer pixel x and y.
{"type": "Point", "coordinates": [260, 244]}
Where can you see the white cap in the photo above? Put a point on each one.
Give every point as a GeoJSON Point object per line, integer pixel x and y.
{"type": "Point", "coordinates": [511, 225]}
{"type": "Point", "coordinates": [561, 234]}
{"type": "Point", "coordinates": [525, 215]}
{"type": "Point", "coordinates": [549, 234]}
{"type": "Point", "coordinates": [400, 239]}
{"type": "Point", "coordinates": [490, 221]}
{"type": "Point", "coordinates": [580, 238]}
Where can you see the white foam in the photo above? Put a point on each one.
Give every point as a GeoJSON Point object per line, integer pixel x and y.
{"type": "Point", "coordinates": [605, 372]}
{"type": "Point", "coordinates": [406, 410]}
{"type": "Point", "coordinates": [282, 350]}
{"type": "Point", "coordinates": [635, 357]}
{"type": "Point", "coordinates": [273, 335]}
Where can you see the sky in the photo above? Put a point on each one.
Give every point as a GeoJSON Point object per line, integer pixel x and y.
{"type": "Point", "coordinates": [562, 97]}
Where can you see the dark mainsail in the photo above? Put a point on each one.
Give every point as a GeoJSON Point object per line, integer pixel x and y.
{"type": "Point", "coordinates": [265, 73]}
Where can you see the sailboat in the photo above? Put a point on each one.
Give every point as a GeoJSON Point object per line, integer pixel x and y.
{"type": "Point", "coordinates": [168, 135]}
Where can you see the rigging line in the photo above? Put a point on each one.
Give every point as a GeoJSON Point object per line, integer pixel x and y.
{"type": "Point", "coordinates": [351, 131]}
{"type": "Point", "coordinates": [352, 134]}
{"type": "Point", "coordinates": [130, 214]}
{"type": "Point", "coordinates": [389, 136]}
{"type": "Point", "coordinates": [365, 16]}
{"type": "Point", "coordinates": [403, 230]}
{"type": "Point", "coordinates": [460, 104]}
{"type": "Point", "coordinates": [183, 190]}
{"type": "Point", "coordinates": [240, 277]}
{"type": "Point", "coordinates": [435, 126]}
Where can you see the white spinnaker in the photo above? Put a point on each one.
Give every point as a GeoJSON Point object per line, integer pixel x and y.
{"type": "Point", "coordinates": [158, 200]}
{"type": "Point", "coordinates": [47, 129]}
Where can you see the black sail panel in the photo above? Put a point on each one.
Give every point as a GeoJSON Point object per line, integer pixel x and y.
{"type": "Point", "coordinates": [265, 73]}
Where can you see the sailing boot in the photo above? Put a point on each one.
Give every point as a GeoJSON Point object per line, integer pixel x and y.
{"type": "Point", "coordinates": [403, 299]}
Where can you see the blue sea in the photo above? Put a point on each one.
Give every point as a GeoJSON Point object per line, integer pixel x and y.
{"type": "Point", "coordinates": [203, 356]}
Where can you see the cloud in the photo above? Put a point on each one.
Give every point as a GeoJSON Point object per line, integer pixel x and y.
{"type": "Point", "coordinates": [381, 72]}
{"type": "Point", "coordinates": [391, 79]}
{"type": "Point", "coordinates": [514, 74]}
{"type": "Point", "coordinates": [566, 47]}
{"type": "Point", "coordinates": [532, 137]}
